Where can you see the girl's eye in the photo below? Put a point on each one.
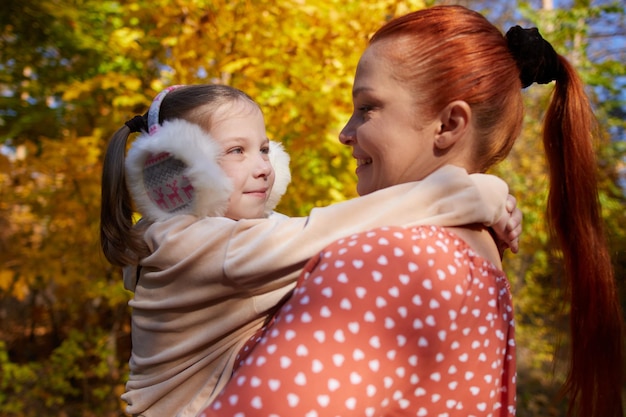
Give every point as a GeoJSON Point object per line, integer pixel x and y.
{"type": "Point", "coordinates": [265, 150]}
{"type": "Point", "coordinates": [238, 150]}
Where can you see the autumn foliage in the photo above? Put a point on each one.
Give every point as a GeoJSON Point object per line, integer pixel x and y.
{"type": "Point", "coordinates": [72, 72]}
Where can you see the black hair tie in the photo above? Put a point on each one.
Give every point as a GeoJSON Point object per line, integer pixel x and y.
{"type": "Point", "coordinates": [137, 124]}
{"type": "Point", "coordinates": [536, 59]}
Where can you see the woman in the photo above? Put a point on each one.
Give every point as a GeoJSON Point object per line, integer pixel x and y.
{"type": "Point", "coordinates": [418, 321]}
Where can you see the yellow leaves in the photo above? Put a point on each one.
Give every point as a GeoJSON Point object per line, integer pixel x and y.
{"type": "Point", "coordinates": [169, 41]}
{"type": "Point", "coordinates": [126, 38]}
{"type": "Point", "coordinates": [115, 81]}
{"type": "Point", "coordinates": [239, 64]}
{"type": "Point", "coordinates": [77, 89]}
{"type": "Point", "coordinates": [48, 213]}
{"type": "Point", "coordinates": [65, 159]}
{"type": "Point", "coordinates": [90, 150]}
{"type": "Point", "coordinates": [10, 284]}
{"type": "Point", "coordinates": [128, 89]}
{"type": "Point", "coordinates": [400, 8]}
{"type": "Point", "coordinates": [157, 85]}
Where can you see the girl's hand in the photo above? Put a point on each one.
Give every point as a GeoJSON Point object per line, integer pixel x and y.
{"type": "Point", "coordinates": [509, 228]}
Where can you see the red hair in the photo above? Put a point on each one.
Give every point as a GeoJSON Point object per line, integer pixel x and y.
{"type": "Point", "coordinates": [451, 53]}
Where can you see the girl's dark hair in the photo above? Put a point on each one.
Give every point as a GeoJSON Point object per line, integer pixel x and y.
{"type": "Point", "coordinates": [451, 53]}
{"type": "Point", "coordinates": [121, 239]}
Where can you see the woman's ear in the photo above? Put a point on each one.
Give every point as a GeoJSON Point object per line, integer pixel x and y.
{"type": "Point", "coordinates": [455, 122]}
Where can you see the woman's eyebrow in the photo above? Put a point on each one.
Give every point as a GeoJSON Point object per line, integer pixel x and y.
{"type": "Point", "coordinates": [359, 90]}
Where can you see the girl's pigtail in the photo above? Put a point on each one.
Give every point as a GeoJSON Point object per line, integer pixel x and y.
{"type": "Point", "coordinates": [121, 243]}
{"type": "Point", "coordinates": [593, 383]}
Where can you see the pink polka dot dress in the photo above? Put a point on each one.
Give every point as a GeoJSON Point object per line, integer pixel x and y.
{"type": "Point", "coordinates": [390, 322]}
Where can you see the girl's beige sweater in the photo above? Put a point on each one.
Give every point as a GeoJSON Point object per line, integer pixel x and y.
{"type": "Point", "coordinates": [211, 282]}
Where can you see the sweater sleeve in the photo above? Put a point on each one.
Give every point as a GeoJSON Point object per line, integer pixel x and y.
{"type": "Point", "coordinates": [447, 197]}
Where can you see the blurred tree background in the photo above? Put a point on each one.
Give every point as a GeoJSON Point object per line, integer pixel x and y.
{"type": "Point", "coordinates": [71, 73]}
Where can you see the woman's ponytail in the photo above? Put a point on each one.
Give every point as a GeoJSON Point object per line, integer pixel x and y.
{"type": "Point", "coordinates": [594, 380]}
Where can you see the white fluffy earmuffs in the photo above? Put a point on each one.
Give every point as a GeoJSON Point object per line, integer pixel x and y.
{"type": "Point", "coordinates": [176, 171]}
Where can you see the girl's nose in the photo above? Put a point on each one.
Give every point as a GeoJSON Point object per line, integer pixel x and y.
{"type": "Point", "coordinates": [263, 167]}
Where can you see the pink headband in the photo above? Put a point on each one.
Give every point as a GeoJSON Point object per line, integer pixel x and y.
{"type": "Point", "coordinates": [153, 113]}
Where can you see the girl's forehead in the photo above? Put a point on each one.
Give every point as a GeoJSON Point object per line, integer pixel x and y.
{"type": "Point", "coordinates": [210, 114]}
{"type": "Point", "coordinates": [238, 119]}
{"type": "Point", "coordinates": [238, 107]}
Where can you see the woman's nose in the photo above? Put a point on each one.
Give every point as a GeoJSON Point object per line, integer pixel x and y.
{"type": "Point", "coordinates": [347, 136]}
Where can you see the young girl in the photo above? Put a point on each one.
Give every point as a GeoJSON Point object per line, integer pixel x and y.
{"type": "Point", "coordinates": [209, 259]}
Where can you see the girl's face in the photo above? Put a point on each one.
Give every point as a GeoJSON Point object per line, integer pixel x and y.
{"type": "Point", "coordinates": [239, 128]}
{"type": "Point", "coordinates": [391, 138]}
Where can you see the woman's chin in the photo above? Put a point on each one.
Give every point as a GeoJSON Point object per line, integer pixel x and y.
{"type": "Point", "coordinates": [364, 187]}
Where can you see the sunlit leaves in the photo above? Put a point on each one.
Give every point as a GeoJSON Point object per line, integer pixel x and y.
{"type": "Point", "coordinates": [71, 73]}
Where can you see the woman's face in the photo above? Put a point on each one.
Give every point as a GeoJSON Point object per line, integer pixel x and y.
{"type": "Point", "coordinates": [240, 130]}
{"type": "Point", "coordinates": [391, 138]}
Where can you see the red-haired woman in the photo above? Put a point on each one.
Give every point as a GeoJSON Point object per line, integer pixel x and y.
{"type": "Point", "coordinates": [419, 321]}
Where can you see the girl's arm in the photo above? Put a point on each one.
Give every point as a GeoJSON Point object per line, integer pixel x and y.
{"type": "Point", "coordinates": [447, 197]}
